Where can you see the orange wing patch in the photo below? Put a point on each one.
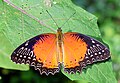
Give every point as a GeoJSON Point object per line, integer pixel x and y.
{"type": "Point", "coordinates": [45, 51]}
{"type": "Point", "coordinates": [74, 50]}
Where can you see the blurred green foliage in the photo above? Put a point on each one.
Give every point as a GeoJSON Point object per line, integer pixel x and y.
{"type": "Point", "coordinates": [108, 13]}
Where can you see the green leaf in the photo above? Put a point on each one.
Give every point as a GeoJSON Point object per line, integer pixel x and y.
{"type": "Point", "coordinates": [97, 73]}
{"type": "Point", "coordinates": [17, 26]}
{"type": "Point", "coordinates": [6, 43]}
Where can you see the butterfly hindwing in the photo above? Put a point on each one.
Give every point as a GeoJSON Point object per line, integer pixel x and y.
{"type": "Point", "coordinates": [78, 51]}
{"type": "Point", "coordinates": [38, 52]}
{"type": "Point", "coordinates": [81, 50]}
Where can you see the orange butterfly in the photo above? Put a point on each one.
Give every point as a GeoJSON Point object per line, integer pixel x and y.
{"type": "Point", "coordinates": [48, 52]}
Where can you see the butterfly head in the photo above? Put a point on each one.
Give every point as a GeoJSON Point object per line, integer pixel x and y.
{"type": "Point", "coordinates": [59, 31]}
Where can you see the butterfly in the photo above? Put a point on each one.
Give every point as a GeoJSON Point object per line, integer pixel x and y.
{"type": "Point", "coordinates": [49, 52]}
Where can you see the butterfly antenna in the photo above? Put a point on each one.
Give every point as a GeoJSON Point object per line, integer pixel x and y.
{"type": "Point", "coordinates": [69, 18]}
{"type": "Point", "coordinates": [52, 19]}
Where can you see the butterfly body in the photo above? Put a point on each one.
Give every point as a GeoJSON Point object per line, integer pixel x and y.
{"type": "Point", "coordinates": [60, 45]}
{"type": "Point", "coordinates": [74, 51]}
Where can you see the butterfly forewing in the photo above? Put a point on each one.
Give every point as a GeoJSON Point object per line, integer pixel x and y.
{"type": "Point", "coordinates": [39, 52]}
{"type": "Point", "coordinates": [78, 51]}
{"type": "Point", "coordinates": [81, 50]}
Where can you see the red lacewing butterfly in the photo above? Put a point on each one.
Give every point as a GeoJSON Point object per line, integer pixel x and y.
{"type": "Point", "coordinates": [74, 51]}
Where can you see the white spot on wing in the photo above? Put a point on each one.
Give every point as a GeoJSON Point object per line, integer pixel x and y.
{"type": "Point", "coordinates": [97, 44]}
{"type": "Point", "coordinates": [20, 55]}
{"type": "Point", "coordinates": [34, 59]}
{"type": "Point", "coordinates": [26, 43]}
{"type": "Point", "coordinates": [22, 48]}
{"type": "Point", "coordinates": [95, 53]}
{"type": "Point", "coordinates": [89, 51]}
{"type": "Point", "coordinates": [17, 54]}
{"type": "Point", "coordinates": [99, 52]}
{"type": "Point", "coordinates": [93, 41]}
{"type": "Point", "coordinates": [29, 57]}
{"type": "Point", "coordinates": [103, 51]}
{"type": "Point", "coordinates": [91, 55]}
{"type": "Point", "coordinates": [24, 56]}
{"type": "Point", "coordinates": [93, 45]}
{"type": "Point", "coordinates": [31, 53]}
